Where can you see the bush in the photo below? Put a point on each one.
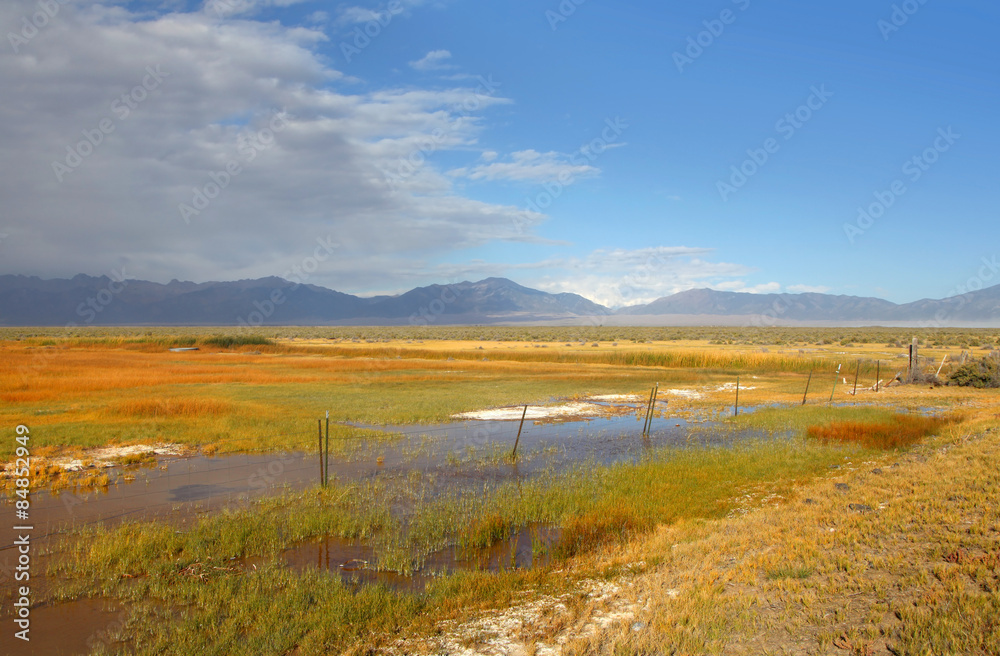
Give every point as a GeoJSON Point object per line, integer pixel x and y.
{"type": "Point", "coordinates": [978, 373]}
{"type": "Point", "coordinates": [229, 341]}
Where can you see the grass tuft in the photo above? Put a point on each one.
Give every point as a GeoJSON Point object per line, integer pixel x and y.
{"type": "Point", "coordinates": [902, 431]}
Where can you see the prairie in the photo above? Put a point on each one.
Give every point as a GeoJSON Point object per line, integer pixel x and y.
{"type": "Point", "coordinates": [634, 526]}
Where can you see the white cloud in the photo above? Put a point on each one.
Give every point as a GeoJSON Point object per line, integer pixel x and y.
{"type": "Point", "coordinates": [354, 14]}
{"type": "Point", "coordinates": [221, 82]}
{"type": "Point", "coordinates": [622, 277]}
{"type": "Point", "coordinates": [232, 8]}
{"type": "Point", "coordinates": [803, 289]}
{"type": "Point", "coordinates": [741, 286]}
{"type": "Point", "coordinates": [432, 61]}
{"type": "Point", "coordinates": [530, 166]}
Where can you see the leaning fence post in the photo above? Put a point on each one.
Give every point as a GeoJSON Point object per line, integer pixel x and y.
{"type": "Point", "coordinates": [856, 372]}
{"type": "Point", "coordinates": [649, 404]}
{"type": "Point", "coordinates": [806, 393]}
{"type": "Point", "coordinates": [513, 454]}
{"type": "Point", "coordinates": [835, 377]}
{"type": "Point", "coordinates": [942, 365]}
{"type": "Point", "coordinates": [649, 413]}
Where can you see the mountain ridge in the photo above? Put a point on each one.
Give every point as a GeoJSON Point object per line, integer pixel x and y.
{"type": "Point", "coordinates": [101, 300]}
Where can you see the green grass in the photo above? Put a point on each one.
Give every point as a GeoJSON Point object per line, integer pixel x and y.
{"type": "Point", "coordinates": [157, 566]}
{"type": "Point", "coordinates": [790, 572]}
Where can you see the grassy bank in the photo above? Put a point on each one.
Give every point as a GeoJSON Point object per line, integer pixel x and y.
{"type": "Point", "coordinates": [893, 555]}
{"type": "Point", "coordinates": [179, 581]}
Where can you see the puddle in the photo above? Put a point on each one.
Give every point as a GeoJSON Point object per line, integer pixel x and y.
{"type": "Point", "coordinates": [67, 629]}
{"type": "Point", "coordinates": [454, 455]}
{"type": "Point", "coordinates": [173, 487]}
{"type": "Point", "coordinates": [357, 563]}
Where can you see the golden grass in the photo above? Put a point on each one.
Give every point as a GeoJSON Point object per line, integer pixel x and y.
{"type": "Point", "coordinates": [173, 407]}
{"type": "Point", "coordinates": [901, 561]}
{"type": "Point", "coordinates": [714, 359]}
{"type": "Point", "coordinates": [902, 431]}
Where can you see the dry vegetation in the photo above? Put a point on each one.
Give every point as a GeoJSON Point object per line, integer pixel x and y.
{"type": "Point", "coordinates": [768, 550]}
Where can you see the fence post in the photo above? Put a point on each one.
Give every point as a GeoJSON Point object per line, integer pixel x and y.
{"type": "Point", "coordinates": [942, 365]}
{"type": "Point", "coordinates": [878, 373]}
{"type": "Point", "coordinates": [836, 376]}
{"type": "Point", "coordinates": [856, 372]}
{"type": "Point", "coordinates": [513, 454]}
{"type": "Point", "coordinates": [914, 361]}
{"type": "Point", "coordinates": [806, 393]}
{"type": "Point", "coordinates": [736, 409]}
{"type": "Point", "coordinates": [319, 423]}
{"type": "Point", "coordinates": [326, 467]}
{"type": "Point", "coordinates": [649, 412]}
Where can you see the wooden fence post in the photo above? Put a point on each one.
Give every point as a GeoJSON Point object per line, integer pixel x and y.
{"type": "Point", "coordinates": [736, 409]}
{"type": "Point", "coordinates": [513, 454]}
{"type": "Point", "coordinates": [649, 404]}
{"type": "Point", "coordinates": [319, 423]}
{"type": "Point", "coordinates": [804, 395]}
{"type": "Point", "coordinates": [857, 371]}
{"type": "Point", "coordinates": [649, 412]}
{"type": "Point", "coordinates": [326, 467]}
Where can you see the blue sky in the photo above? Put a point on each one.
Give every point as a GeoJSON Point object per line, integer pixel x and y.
{"type": "Point", "coordinates": [591, 147]}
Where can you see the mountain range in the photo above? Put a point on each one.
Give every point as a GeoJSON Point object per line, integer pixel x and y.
{"type": "Point", "coordinates": [89, 300]}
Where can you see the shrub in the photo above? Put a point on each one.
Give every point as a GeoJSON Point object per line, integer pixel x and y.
{"type": "Point", "coordinates": [229, 341]}
{"type": "Point", "coordinates": [978, 373]}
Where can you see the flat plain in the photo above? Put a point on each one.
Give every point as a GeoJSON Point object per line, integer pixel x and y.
{"type": "Point", "coordinates": [839, 511]}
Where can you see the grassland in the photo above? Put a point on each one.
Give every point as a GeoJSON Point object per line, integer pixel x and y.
{"type": "Point", "coordinates": [618, 523]}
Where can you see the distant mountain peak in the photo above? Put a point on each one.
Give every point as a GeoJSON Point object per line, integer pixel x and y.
{"type": "Point", "coordinates": [29, 300]}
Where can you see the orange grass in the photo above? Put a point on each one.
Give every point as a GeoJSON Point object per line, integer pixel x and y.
{"type": "Point", "coordinates": [902, 431]}
{"type": "Point", "coordinates": [29, 375]}
{"type": "Point", "coordinates": [584, 533]}
{"type": "Point", "coordinates": [176, 407]}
